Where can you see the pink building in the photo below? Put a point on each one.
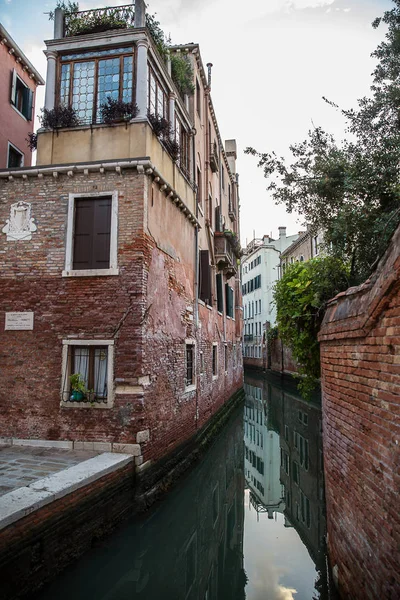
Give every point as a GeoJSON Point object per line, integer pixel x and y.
{"type": "Point", "coordinates": [18, 83]}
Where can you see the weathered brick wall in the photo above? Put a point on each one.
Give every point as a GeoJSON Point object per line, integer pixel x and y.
{"type": "Point", "coordinates": [148, 311]}
{"type": "Point", "coordinates": [36, 548]}
{"type": "Point", "coordinates": [281, 358]}
{"type": "Point", "coordinates": [360, 343]}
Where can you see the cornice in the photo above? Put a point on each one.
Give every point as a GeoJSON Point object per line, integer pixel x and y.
{"type": "Point", "coordinates": [6, 40]}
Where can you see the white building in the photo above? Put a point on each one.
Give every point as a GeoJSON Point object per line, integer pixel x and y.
{"type": "Point", "coordinates": [260, 271]}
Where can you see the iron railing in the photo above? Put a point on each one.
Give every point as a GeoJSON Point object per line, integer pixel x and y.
{"type": "Point", "coordinates": [99, 19]}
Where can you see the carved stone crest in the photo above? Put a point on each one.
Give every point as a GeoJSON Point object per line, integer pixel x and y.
{"type": "Point", "coordinates": [20, 225]}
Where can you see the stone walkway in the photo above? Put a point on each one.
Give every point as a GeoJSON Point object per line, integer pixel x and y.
{"type": "Point", "coordinates": [21, 465]}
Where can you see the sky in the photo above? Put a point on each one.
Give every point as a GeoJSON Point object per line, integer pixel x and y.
{"type": "Point", "coordinates": [273, 60]}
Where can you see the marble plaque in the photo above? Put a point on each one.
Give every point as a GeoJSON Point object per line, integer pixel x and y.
{"type": "Point", "coordinates": [19, 321]}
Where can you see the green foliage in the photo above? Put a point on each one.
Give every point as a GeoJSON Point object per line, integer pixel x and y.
{"type": "Point", "coordinates": [182, 74]}
{"type": "Point", "coordinates": [77, 383]}
{"type": "Point", "coordinates": [351, 189]}
{"type": "Point", "coordinates": [69, 8]}
{"type": "Point", "coordinates": [157, 34]}
{"type": "Point", "coordinates": [301, 296]}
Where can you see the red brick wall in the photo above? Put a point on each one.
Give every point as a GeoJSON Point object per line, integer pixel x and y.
{"type": "Point", "coordinates": [14, 127]}
{"type": "Point", "coordinates": [360, 342]}
{"type": "Point", "coordinates": [147, 310]}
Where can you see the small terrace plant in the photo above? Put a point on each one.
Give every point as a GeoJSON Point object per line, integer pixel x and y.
{"type": "Point", "coordinates": [32, 141]}
{"type": "Point", "coordinates": [114, 110]}
{"type": "Point", "coordinates": [160, 126]}
{"type": "Point", "coordinates": [173, 148]}
{"type": "Point", "coordinates": [59, 116]}
{"type": "Point", "coordinates": [182, 74]}
{"type": "Point", "coordinates": [78, 387]}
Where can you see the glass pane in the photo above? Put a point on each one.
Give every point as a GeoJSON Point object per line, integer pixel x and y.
{"type": "Point", "coordinates": [82, 90]}
{"type": "Point", "coordinates": [127, 79]}
{"type": "Point", "coordinates": [81, 363]}
{"type": "Point", "coordinates": [96, 53]}
{"type": "Point", "coordinates": [107, 83]}
{"type": "Point", "coordinates": [100, 372]}
{"type": "Point", "coordinates": [64, 84]}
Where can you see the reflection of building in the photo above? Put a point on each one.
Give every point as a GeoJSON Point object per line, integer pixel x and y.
{"type": "Point", "coordinates": [260, 270]}
{"type": "Point", "coordinates": [18, 83]}
{"type": "Point", "coordinates": [261, 455]}
{"type": "Point", "coordinates": [299, 434]}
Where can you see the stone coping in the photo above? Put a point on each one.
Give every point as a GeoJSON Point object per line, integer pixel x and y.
{"type": "Point", "coordinates": [21, 502]}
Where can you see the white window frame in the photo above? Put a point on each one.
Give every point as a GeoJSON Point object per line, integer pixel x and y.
{"type": "Point", "coordinates": [14, 91]}
{"type": "Point", "coordinates": [113, 268]}
{"type": "Point", "coordinates": [191, 387]}
{"type": "Point", "coordinates": [215, 344]}
{"type": "Point", "coordinates": [110, 372]}
{"type": "Point", "coordinates": [10, 145]}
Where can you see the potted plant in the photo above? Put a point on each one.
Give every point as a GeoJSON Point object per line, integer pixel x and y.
{"type": "Point", "coordinates": [59, 116]}
{"type": "Point", "coordinates": [115, 111]}
{"type": "Point", "coordinates": [78, 387]}
{"type": "Point", "coordinates": [160, 125]}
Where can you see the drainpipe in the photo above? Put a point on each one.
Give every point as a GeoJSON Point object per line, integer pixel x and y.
{"type": "Point", "coordinates": [220, 212]}
{"type": "Point", "coordinates": [196, 237]}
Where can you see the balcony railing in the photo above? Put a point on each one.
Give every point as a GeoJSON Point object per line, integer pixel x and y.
{"type": "Point", "coordinates": [100, 19]}
{"type": "Point", "coordinates": [214, 161]}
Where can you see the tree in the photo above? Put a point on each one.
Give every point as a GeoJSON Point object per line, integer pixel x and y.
{"type": "Point", "coordinates": [351, 189]}
{"type": "Point", "coordinates": [301, 296]}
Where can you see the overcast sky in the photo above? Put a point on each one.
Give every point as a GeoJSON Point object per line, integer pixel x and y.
{"type": "Point", "coordinates": [273, 61]}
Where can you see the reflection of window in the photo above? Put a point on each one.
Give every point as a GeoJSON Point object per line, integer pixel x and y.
{"type": "Point", "coordinates": [305, 509]}
{"type": "Point", "coordinates": [92, 234]}
{"type": "Point", "coordinates": [95, 80]}
{"type": "Point", "coordinates": [15, 157]}
{"type": "Point", "coordinates": [21, 96]}
{"type": "Point", "coordinates": [215, 504]}
{"type": "Point", "coordinates": [296, 473]}
{"type": "Point", "coordinates": [93, 361]}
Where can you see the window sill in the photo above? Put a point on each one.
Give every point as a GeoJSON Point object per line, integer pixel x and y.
{"type": "Point", "coordinates": [190, 388]}
{"type": "Point", "coordinates": [90, 273]}
{"type": "Point", "coordinates": [20, 113]}
{"type": "Point", "coordinates": [88, 405]}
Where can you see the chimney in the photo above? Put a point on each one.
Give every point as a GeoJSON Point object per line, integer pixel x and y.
{"type": "Point", "coordinates": [140, 13]}
{"type": "Point", "coordinates": [282, 232]}
{"type": "Point", "coordinates": [209, 66]}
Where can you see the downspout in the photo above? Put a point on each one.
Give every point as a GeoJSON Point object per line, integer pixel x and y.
{"type": "Point", "coordinates": [196, 238]}
{"type": "Point", "coordinates": [220, 212]}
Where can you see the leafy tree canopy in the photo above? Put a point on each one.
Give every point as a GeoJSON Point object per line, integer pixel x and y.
{"type": "Point", "coordinates": [301, 296]}
{"type": "Point", "coordinates": [350, 189]}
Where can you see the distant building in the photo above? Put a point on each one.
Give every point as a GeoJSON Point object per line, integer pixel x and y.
{"type": "Point", "coordinates": [260, 270]}
{"type": "Point", "coordinates": [306, 246]}
{"type": "Point", "coordinates": [18, 82]}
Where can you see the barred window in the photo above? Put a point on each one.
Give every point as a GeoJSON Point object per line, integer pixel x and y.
{"type": "Point", "coordinates": [190, 364]}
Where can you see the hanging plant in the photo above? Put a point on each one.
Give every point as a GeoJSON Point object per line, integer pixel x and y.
{"type": "Point", "coordinates": [59, 116]}
{"type": "Point", "coordinates": [32, 141]}
{"type": "Point", "coordinates": [182, 74]}
{"type": "Point", "coordinates": [113, 111]}
{"type": "Point", "coordinates": [173, 148]}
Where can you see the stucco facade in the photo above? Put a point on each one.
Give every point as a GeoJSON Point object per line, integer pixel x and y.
{"type": "Point", "coordinates": [18, 83]}
{"type": "Point", "coordinates": [152, 322]}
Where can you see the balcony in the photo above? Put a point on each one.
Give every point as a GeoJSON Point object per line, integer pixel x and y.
{"type": "Point", "coordinates": [248, 338]}
{"type": "Point", "coordinates": [214, 161]}
{"type": "Point", "coordinates": [224, 257]}
{"type": "Point", "coordinates": [98, 20]}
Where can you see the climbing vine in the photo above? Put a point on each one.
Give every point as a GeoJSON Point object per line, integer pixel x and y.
{"type": "Point", "coordinates": [301, 297]}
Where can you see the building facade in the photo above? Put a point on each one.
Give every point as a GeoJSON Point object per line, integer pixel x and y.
{"type": "Point", "coordinates": [308, 245]}
{"type": "Point", "coordinates": [120, 295]}
{"type": "Point", "coordinates": [18, 83]}
{"type": "Point", "coordinates": [260, 271]}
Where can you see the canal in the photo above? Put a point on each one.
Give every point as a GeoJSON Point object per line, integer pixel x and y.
{"type": "Point", "coordinates": [247, 522]}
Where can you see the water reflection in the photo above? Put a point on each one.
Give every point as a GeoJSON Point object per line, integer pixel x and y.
{"type": "Point", "coordinates": [283, 472]}
{"type": "Point", "coordinates": [248, 522]}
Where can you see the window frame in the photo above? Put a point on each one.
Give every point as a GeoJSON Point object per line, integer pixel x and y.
{"type": "Point", "coordinates": [14, 147]}
{"type": "Point", "coordinates": [13, 96]}
{"type": "Point", "coordinates": [214, 363]}
{"type": "Point", "coordinates": [190, 386]}
{"type": "Point", "coordinates": [66, 367]}
{"type": "Point", "coordinates": [96, 59]}
{"type": "Point", "coordinates": [113, 268]}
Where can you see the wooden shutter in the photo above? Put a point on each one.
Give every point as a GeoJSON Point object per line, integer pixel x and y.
{"type": "Point", "coordinates": [205, 277]}
{"type": "Point", "coordinates": [229, 300]}
{"type": "Point", "coordinates": [220, 299]}
{"type": "Point", "coordinates": [13, 86]}
{"type": "Point", "coordinates": [27, 104]}
{"type": "Point", "coordinates": [92, 233]}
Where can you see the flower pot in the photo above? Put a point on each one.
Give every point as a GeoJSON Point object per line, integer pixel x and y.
{"type": "Point", "coordinates": [77, 396]}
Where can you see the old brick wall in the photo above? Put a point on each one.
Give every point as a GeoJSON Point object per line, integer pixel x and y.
{"type": "Point", "coordinates": [360, 343]}
{"type": "Point", "coordinates": [148, 310]}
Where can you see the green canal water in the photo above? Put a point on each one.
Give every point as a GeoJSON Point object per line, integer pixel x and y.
{"type": "Point", "coordinates": [247, 522]}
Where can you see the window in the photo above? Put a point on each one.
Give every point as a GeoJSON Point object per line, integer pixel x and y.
{"type": "Point", "coordinates": [88, 79]}
{"type": "Point", "coordinates": [21, 96]}
{"type": "Point", "coordinates": [201, 362]}
{"type": "Point", "coordinates": [199, 188]}
{"type": "Point", "coordinates": [215, 360]}
{"type": "Point", "coordinates": [15, 157]}
{"type": "Point", "coordinates": [190, 370]}
{"type": "Point", "coordinates": [305, 509]}
{"type": "Point", "coordinates": [229, 299]}
{"type": "Point", "coordinates": [93, 360]}
{"type": "Point", "coordinates": [205, 277]}
{"type": "Point", "coordinates": [92, 234]}
{"type": "Point", "coordinates": [226, 358]}
{"type": "Point", "coordinates": [316, 245]}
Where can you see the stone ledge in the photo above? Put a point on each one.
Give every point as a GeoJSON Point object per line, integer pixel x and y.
{"type": "Point", "coordinates": [21, 502]}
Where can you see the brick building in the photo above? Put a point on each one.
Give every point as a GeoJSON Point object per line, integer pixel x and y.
{"type": "Point", "coordinates": [360, 343]}
{"type": "Point", "coordinates": [18, 83]}
{"type": "Point", "coordinates": [119, 251]}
